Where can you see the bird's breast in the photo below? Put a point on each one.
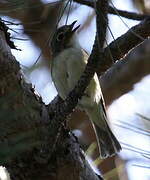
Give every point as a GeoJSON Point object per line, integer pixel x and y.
{"type": "Point", "coordinates": [67, 67]}
{"type": "Point", "coordinates": [59, 75]}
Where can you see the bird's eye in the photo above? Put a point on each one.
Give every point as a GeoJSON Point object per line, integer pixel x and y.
{"type": "Point", "coordinates": [60, 36]}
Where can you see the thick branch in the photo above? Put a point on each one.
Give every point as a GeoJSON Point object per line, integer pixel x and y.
{"type": "Point", "coordinates": [122, 76]}
{"type": "Point", "coordinates": [25, 140]}
{"type": "Point", "coordinates": [17, 117]}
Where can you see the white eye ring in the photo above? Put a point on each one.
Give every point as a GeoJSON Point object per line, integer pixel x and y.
{"type": "Point", "coordinates": [60, 36]}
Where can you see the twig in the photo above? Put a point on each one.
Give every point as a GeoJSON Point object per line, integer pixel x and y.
{"type": "Point", "coordinates": [132, 129]}
{"type": "Point", "coordinates": [143, 117]}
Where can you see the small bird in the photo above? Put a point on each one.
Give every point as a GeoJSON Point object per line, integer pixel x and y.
{"type": "Point", "coordinates": [68, 63]}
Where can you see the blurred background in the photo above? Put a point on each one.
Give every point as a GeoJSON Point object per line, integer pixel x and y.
{"type": "Point", "coordinates": [129, 114]}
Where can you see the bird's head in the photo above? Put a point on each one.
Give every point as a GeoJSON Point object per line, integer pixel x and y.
{"type": "Point", "coordinates": [63, 38]}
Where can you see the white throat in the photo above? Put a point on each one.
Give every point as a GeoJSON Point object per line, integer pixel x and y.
{"type": "Point", "coordinates": [74, 41]}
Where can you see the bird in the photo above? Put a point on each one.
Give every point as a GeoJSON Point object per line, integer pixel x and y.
{"type": "Point", "coordinates": [69, 60]}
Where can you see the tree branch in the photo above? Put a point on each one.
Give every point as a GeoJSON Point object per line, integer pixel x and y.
{"type": "Point", "coordinates": [121, 46]}
{"type": "Point", "coordinates": [115, 11]}
{"type": "Point", "coordinates": [126, 14]}
{"type": "Point", "coordinates": [15, 135]}
{"type": "Point", "coordinates": [25, 137]}
{"type": "Point", "coordinates": [122, 76]}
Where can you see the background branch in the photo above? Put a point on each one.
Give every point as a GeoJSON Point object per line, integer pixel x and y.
{"type": "Point", "coordinates": [126, 14]}
{"type": "Point", "coordinates": [125, 73]}
{"type": "Point", "coordinates": [123, 44]}
{"type": "Point", "coordinates": [115, 11]}
{"type": "Point", "coordinates": [38, 20]}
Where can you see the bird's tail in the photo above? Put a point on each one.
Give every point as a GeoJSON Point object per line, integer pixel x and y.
{"type": "Point", "coordinates": [107, 142]}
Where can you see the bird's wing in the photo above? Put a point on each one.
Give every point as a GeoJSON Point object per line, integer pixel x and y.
{"type": "Point", "coordinates": [98, 92]}
{"type": "Point", "coordinates": [75, 66]}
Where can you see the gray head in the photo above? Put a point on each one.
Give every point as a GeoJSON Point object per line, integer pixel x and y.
{"type": "Point", "coordinates": [62, 37]}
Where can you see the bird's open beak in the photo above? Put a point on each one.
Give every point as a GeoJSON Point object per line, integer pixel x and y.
{"type": "Point", "coordinates": [72, 26]}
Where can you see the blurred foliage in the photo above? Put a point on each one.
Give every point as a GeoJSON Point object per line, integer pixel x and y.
{"type": "Point", "coordinates": [142, 5]}
{"type": "Point", "coordinates": [113, 174]}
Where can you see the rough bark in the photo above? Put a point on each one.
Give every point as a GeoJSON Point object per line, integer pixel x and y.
{"type": "Point", "coordinates": [26, 132]}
